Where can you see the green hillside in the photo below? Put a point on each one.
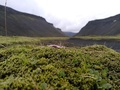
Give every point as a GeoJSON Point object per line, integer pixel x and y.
{"type": "Point", "coordinates": [102, 27]}
{"type": "Point", "coordinates": [25, 66]}
{"type": "Point", "coordinates": [23, 24]}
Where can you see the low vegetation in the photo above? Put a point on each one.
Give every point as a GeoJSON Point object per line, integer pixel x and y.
{"type": "Point", "coordinates": [35, 67]}
{"type": "Point", "coordinates": [99, 37]}
{"type": "Point", "coordinates": [15, 40]}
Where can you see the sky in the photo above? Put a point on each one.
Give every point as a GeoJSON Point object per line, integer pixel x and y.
{"type": "Point", "coordinates": [68, 15]}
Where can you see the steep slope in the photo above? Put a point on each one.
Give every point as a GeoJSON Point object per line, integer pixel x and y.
{"type": "Point", "coordinates": [23, 24]}
{"type": "Point", "coordinates": [108, 26]}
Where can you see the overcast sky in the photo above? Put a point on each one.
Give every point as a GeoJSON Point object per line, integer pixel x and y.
{"type": "Point", "coordinates": [69, 15]}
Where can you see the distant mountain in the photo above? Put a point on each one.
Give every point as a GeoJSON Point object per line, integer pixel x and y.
{"type": "Point", "coordinates": [23, 24]}
{"type": "Point", "coordinates": [108, 26]}
{"type": "Point", "coordinates": [70, 33]}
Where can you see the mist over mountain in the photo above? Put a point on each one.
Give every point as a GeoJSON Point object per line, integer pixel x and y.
{"type": "Point", "coordinates": [108, 26]}
{"type": "Point", "coordinates": [23, 24]}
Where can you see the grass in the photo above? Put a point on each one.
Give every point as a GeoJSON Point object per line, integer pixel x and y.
{"type": "Point", "coordinates": [99, 37]}
{"type": "Point", "coordinates": [15, 39]}
{"type": "Point", "coordinates": [12, 40]}
{"type": "Point", "coordinates": [34, 67]}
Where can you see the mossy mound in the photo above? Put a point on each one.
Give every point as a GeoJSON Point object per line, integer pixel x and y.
{"type": "Point", "coordinates": [43, 68]}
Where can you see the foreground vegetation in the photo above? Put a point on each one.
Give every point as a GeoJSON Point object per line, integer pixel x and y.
{"type": "Point", "coordinates": [33, 67]}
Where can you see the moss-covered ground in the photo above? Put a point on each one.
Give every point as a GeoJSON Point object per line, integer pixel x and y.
{"type": "Point", "coordinates": [35, 67]}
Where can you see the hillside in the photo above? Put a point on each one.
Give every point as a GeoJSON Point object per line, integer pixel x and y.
{"type": "Point", "coordinates": [23, 24]}
{"type": "Point", "coordinates": [108, 26]}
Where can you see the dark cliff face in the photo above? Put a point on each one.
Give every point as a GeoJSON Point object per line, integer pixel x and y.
{"type": "Point", "coordinates": [108, 26]}
{"type": "Point", "coordinates": [23, 24]}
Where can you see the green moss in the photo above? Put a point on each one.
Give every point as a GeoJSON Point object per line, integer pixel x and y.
{"type": "Point", "coordinates": [25, 67]}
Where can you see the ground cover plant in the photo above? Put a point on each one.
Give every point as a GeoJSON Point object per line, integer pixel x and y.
{"type": "Point", "coordinates": [99, 37]}
{"type": "Point", "coordinates": [16, 40]}
{"type": "Point", "coordinates": [35, 67]}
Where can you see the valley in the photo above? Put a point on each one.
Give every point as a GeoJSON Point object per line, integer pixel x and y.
{"type": "Point", "coordinates": [36, 55]}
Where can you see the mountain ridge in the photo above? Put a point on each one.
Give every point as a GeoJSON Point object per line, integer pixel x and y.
{"type": "Point", "coordinates": [24, 24]}
{"type": "Point", "coordinates": [107, 27]}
